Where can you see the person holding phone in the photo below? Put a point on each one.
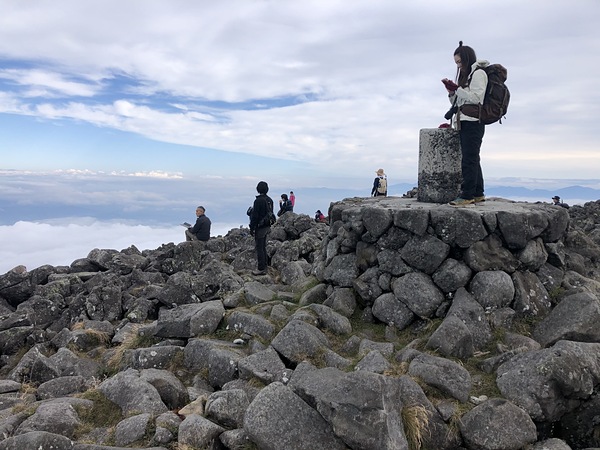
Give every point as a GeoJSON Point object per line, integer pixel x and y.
{"type": "Point", "coordinates": [469, 89]}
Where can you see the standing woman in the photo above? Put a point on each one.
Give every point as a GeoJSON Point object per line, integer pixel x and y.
{"type": "Point", "coordinates": [469, 89]}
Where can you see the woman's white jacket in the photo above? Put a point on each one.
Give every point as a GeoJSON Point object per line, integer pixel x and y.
{"type": "Point", "coordinates": [474, 93]}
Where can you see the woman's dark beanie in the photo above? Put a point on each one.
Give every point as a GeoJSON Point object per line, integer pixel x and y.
{"type": "Point", "coordinates": [262, 187]}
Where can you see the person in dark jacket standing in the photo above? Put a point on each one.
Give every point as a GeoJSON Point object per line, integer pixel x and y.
{"type": "Point", "coordinates": [201, 229]}
{"type": "Point", "coordinates": [260, 226]}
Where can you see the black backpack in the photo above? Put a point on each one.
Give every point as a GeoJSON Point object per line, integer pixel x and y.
{"type": "Point", "coordinates": [497, 96]}
{"type": "Point", "coordinates": [269, 219]}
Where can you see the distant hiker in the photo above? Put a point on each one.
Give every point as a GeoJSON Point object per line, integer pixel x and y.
{"type": "Point", "coordinates": [379, 184]}
{"type": "Point", "coordinates": [469, 89]}
{"type": "Point", "coordinates": [201, 229]}
{"type": "Point", "coordinates": [557, 202]}
{"type": "Point", "coordinates": [261, 219]}
{"type": "Point", "coordinates": [285, 205]}
{"type": "Point", "coordinates": [320, 217]}
{"type": "Point", "coordinates": [292, 198]}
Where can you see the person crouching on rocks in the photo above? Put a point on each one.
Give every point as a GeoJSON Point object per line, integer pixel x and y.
{"type": "Point", "coordinates": [201, 229]}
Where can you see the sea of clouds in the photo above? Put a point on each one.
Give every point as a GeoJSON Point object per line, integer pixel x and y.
{"type": "Point", "coordinates": [34, 244]}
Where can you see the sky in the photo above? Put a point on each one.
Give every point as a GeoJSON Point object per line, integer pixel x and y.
{"type": "Point", "coordinates": [129, 114]}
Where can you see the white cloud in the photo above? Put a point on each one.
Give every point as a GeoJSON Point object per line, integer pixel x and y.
{"type": "Point", "coordinates": [47, 84]}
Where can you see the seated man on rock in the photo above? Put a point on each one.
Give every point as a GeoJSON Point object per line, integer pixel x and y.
{"type": "Point", "coordinates": [201, 229]}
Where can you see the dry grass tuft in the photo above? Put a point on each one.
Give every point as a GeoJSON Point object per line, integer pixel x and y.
{"type": "Point", "coordinates": [397, 370]}
{"type": "Point", "coordinates": [416, 422]}
{"type": "Point", "coordinates": [130, 340]}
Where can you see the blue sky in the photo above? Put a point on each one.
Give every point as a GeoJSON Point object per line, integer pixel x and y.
{"type": "Point", "coordinates": [195, 102]}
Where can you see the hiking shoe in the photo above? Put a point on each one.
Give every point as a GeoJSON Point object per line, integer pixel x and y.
{"type": "Point", "coordinates": [461, 202]}
{"type": "Point", "coordinates": [479, 199]}
{"type": "Point", "coordinates": [259, 272]}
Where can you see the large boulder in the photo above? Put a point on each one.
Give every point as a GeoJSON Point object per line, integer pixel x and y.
{"type": "Point", "coordinates": [497, 424]}
{"type": "Point", "coordinates": [575, 318]}
{"type": "Point", "coordinates": [277, 418]}
{"type": "Point", "coordinates": [571, 370]}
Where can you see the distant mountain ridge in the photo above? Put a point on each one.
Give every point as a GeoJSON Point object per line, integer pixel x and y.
{"type": "Point", "coordinates": [573, 193]}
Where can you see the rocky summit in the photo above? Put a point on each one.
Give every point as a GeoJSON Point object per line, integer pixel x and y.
{"type": "Point", "coordinates": [398, 325]}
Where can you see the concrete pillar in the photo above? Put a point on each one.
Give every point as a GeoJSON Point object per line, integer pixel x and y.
{"type": "Point", "coordinates": [439, 165]}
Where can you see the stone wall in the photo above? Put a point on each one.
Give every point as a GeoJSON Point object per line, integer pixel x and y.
{"type": "Point", "coordinates": [406, 259]}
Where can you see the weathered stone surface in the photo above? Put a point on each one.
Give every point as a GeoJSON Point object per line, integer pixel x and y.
{"type": "Point", "coordinates": [277, 418]}
{"type": "Point", "coordinates": [132, 394]}
{"type": "Point", "coordinates": [374, 362]}
{"type": "Point", "coordinates": [575, 318]}
{"type": "Point", "coordinates": [425, 253]}
{"type": "Point", "coordinates": [443, 374]}
{"type": "Point", "coordinates": [297, 340]}
{"type": "Point", "coordinates": [171, 390]}
{"type": "Point", "coordinates": [493, 289]}
{"type": "Point", "coordinates": [342, 300]}
{"type": "Point", "coordinates": [342, 270]}
{"type": "Point", "coordinates": [222, 366]}
{"type": "Point", "coordinates": [571, 370]}
{"type": "Point", "coordinates": [316, 294]}
{"type": "Point", "coordinates": [497, 424]}
{"type": "Point", "coordinates": [250, 324]}
{"type": "Point", "coordinates": [451, 275]}
{"type": "Point", "coordinates": [265, 366]}
{"type": "Point", "coordinates": [190, 320]}
{"type": "Point", "coordinates": [534, 255]}
{"type": "Point", "coordinates": [489, 254]}
{"type": "Point", "coordinates": [439, 165]}
{"type": "Point", "coordinates": [53, 416]}
{"type": "Point", "coordinates": [37, 440]}
{"type": "Point", "coordinates": [531, 297]}
{"type": "Point", "coordinates": [198, 432]}
{"type": "Point", "coordinates": [458, 227]}
{"type": "Point", "coordinates": [131, 429]}
{"type": "Point", "coordinates": [328, 319]}
{"type": "Point", "coordinates": [415, 221]}
{"type": "Point", "coordinates": [367, 285]}
{"type": "Point", "coordinates": [227, 407]}
{"type": "Point", "coordinates": [256, 293]}
{"type": "Point", "coordinates": [62, 387]}
{"type": "Point", "coordinates": [418, 292]}
{"type": "Point", "coordinates": [159, 357]}
{"type": "Point", "coordinates": [341, 397]}
{"type": "Point", "coordinates": [377, 220]}
{"type": "Point", "coordinates": [391, 311]}
{"type": "Point", "coordinates": [551, 444]}
{"type": "Point", "coordinates": [518, 228]}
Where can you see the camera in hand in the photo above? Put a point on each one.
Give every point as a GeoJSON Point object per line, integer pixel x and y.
{"type": "Point", "coordinates": [451, 112]}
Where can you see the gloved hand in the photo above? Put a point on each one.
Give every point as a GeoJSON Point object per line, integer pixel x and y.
{"type": "Point", "coordinates": [450, 85]}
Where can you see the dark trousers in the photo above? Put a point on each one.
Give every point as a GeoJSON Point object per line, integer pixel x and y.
{"type": "Point", "coordinates": [471, 135]}
{"type": "Point", "coordinates": [260, 240]}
